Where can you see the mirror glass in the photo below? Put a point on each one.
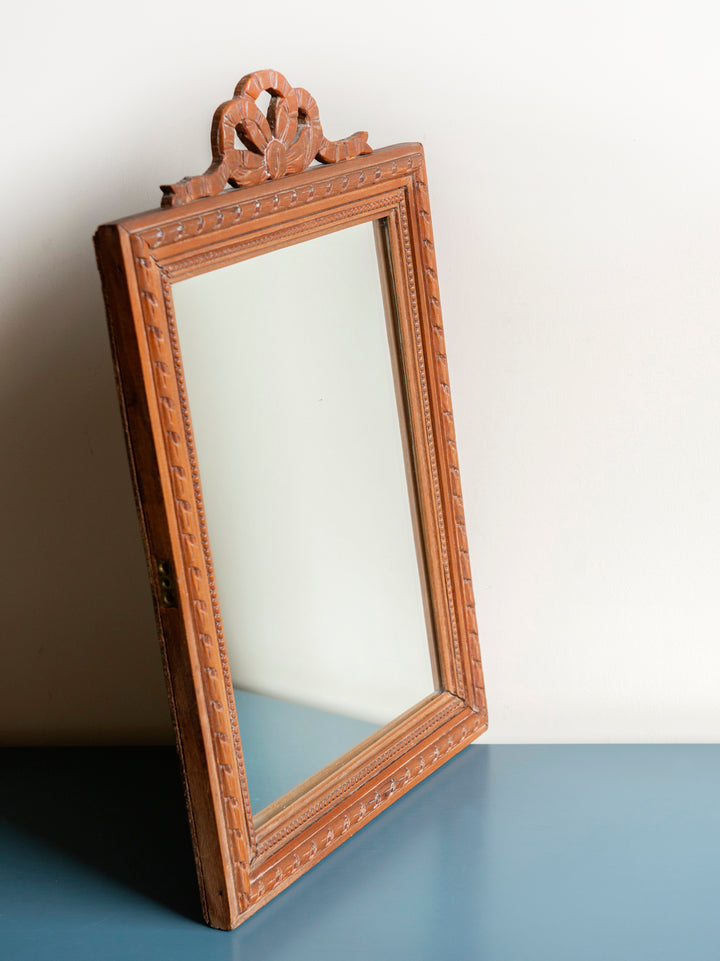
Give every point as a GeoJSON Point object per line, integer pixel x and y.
{"type": "Point", "coordinates": [299, 429]}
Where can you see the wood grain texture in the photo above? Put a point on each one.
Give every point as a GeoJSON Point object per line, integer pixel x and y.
{"type": "Point", "coordinates": [286, 141]}
{"type": "Point", "coordinates": [243, 863]}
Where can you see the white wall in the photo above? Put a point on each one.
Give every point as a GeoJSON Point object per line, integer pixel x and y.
{"type": "Point", "coordinates": [572, 150]}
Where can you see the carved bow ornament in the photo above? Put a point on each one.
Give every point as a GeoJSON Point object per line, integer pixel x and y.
{"type": "Point", "coordinates": [285, 142]}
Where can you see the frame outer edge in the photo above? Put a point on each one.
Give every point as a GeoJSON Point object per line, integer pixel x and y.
{"type": "Point", "coordinates": [448, 461]}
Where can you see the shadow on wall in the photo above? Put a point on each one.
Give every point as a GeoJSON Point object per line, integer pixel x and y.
{"type": "Point", "coordinates": [81, 662]}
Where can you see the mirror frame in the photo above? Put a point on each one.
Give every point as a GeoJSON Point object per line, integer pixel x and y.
{"type": "Point", "coordinates": [242, 863]}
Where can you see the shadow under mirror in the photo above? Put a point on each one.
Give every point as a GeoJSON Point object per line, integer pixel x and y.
{"type": "Point", "coordinates": [299, 431]}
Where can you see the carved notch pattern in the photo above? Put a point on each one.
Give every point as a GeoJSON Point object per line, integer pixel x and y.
{"type": "Point", "coordinates": [338, 793]}
{"type": "Point", "coordinates": [189, 225]}
{"type": "Point", "coordinates": [205, 541]}
{"type": "Point", "coordinates": [173, 414]}
{"type": "Point", "coordinates": [312, 846]}
{"type": "Point", "coordinates": [178, 268]}
{"type": "Point", "coordinates": [429, 433]}
{"type": "Point", "coordinates": [447, 433]}
{"type": "Point", "coordinates": [286, 141]}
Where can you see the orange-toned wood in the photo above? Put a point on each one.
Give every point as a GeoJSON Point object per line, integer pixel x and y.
{"type": "Point", "coordinates": [285, 142]}
{"type": "Point", "coordinates": [243, 863]}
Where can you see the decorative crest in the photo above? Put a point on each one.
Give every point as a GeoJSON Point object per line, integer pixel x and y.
{"type": "Point", "coordinates": [285, 142]}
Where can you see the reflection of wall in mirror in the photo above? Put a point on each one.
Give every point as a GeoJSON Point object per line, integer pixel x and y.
{"type": "Point", "coordinates": [290, 385]}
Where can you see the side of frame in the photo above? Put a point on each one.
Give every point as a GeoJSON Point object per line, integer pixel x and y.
{"type": "Point", "coordinates": [152, 419]}
{"type": "Point", "coordinates": [240, 866]}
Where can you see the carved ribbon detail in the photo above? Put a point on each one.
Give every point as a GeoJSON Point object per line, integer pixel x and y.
{"type": "Point", "coordinates": [285, 142]}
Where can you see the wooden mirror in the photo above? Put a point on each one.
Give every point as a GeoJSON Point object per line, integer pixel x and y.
{"type": "Point", "coordinates": [281, 366]}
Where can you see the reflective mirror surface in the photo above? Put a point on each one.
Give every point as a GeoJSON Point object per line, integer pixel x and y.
{"type": "Point", "coordinates": [287, 361]}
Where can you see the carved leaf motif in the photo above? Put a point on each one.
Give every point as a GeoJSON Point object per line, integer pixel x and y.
{"type": "Point", "coordinates": [282, 122]}
{"type": "Point", "coordinates": [285, 142]}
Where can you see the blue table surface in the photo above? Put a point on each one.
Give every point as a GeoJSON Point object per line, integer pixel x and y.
{"type": "Point", "coordinates": [508, 852]}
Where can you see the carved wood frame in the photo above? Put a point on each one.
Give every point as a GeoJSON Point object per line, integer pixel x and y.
{"type": "Point", "coordinates": [242, 865]}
